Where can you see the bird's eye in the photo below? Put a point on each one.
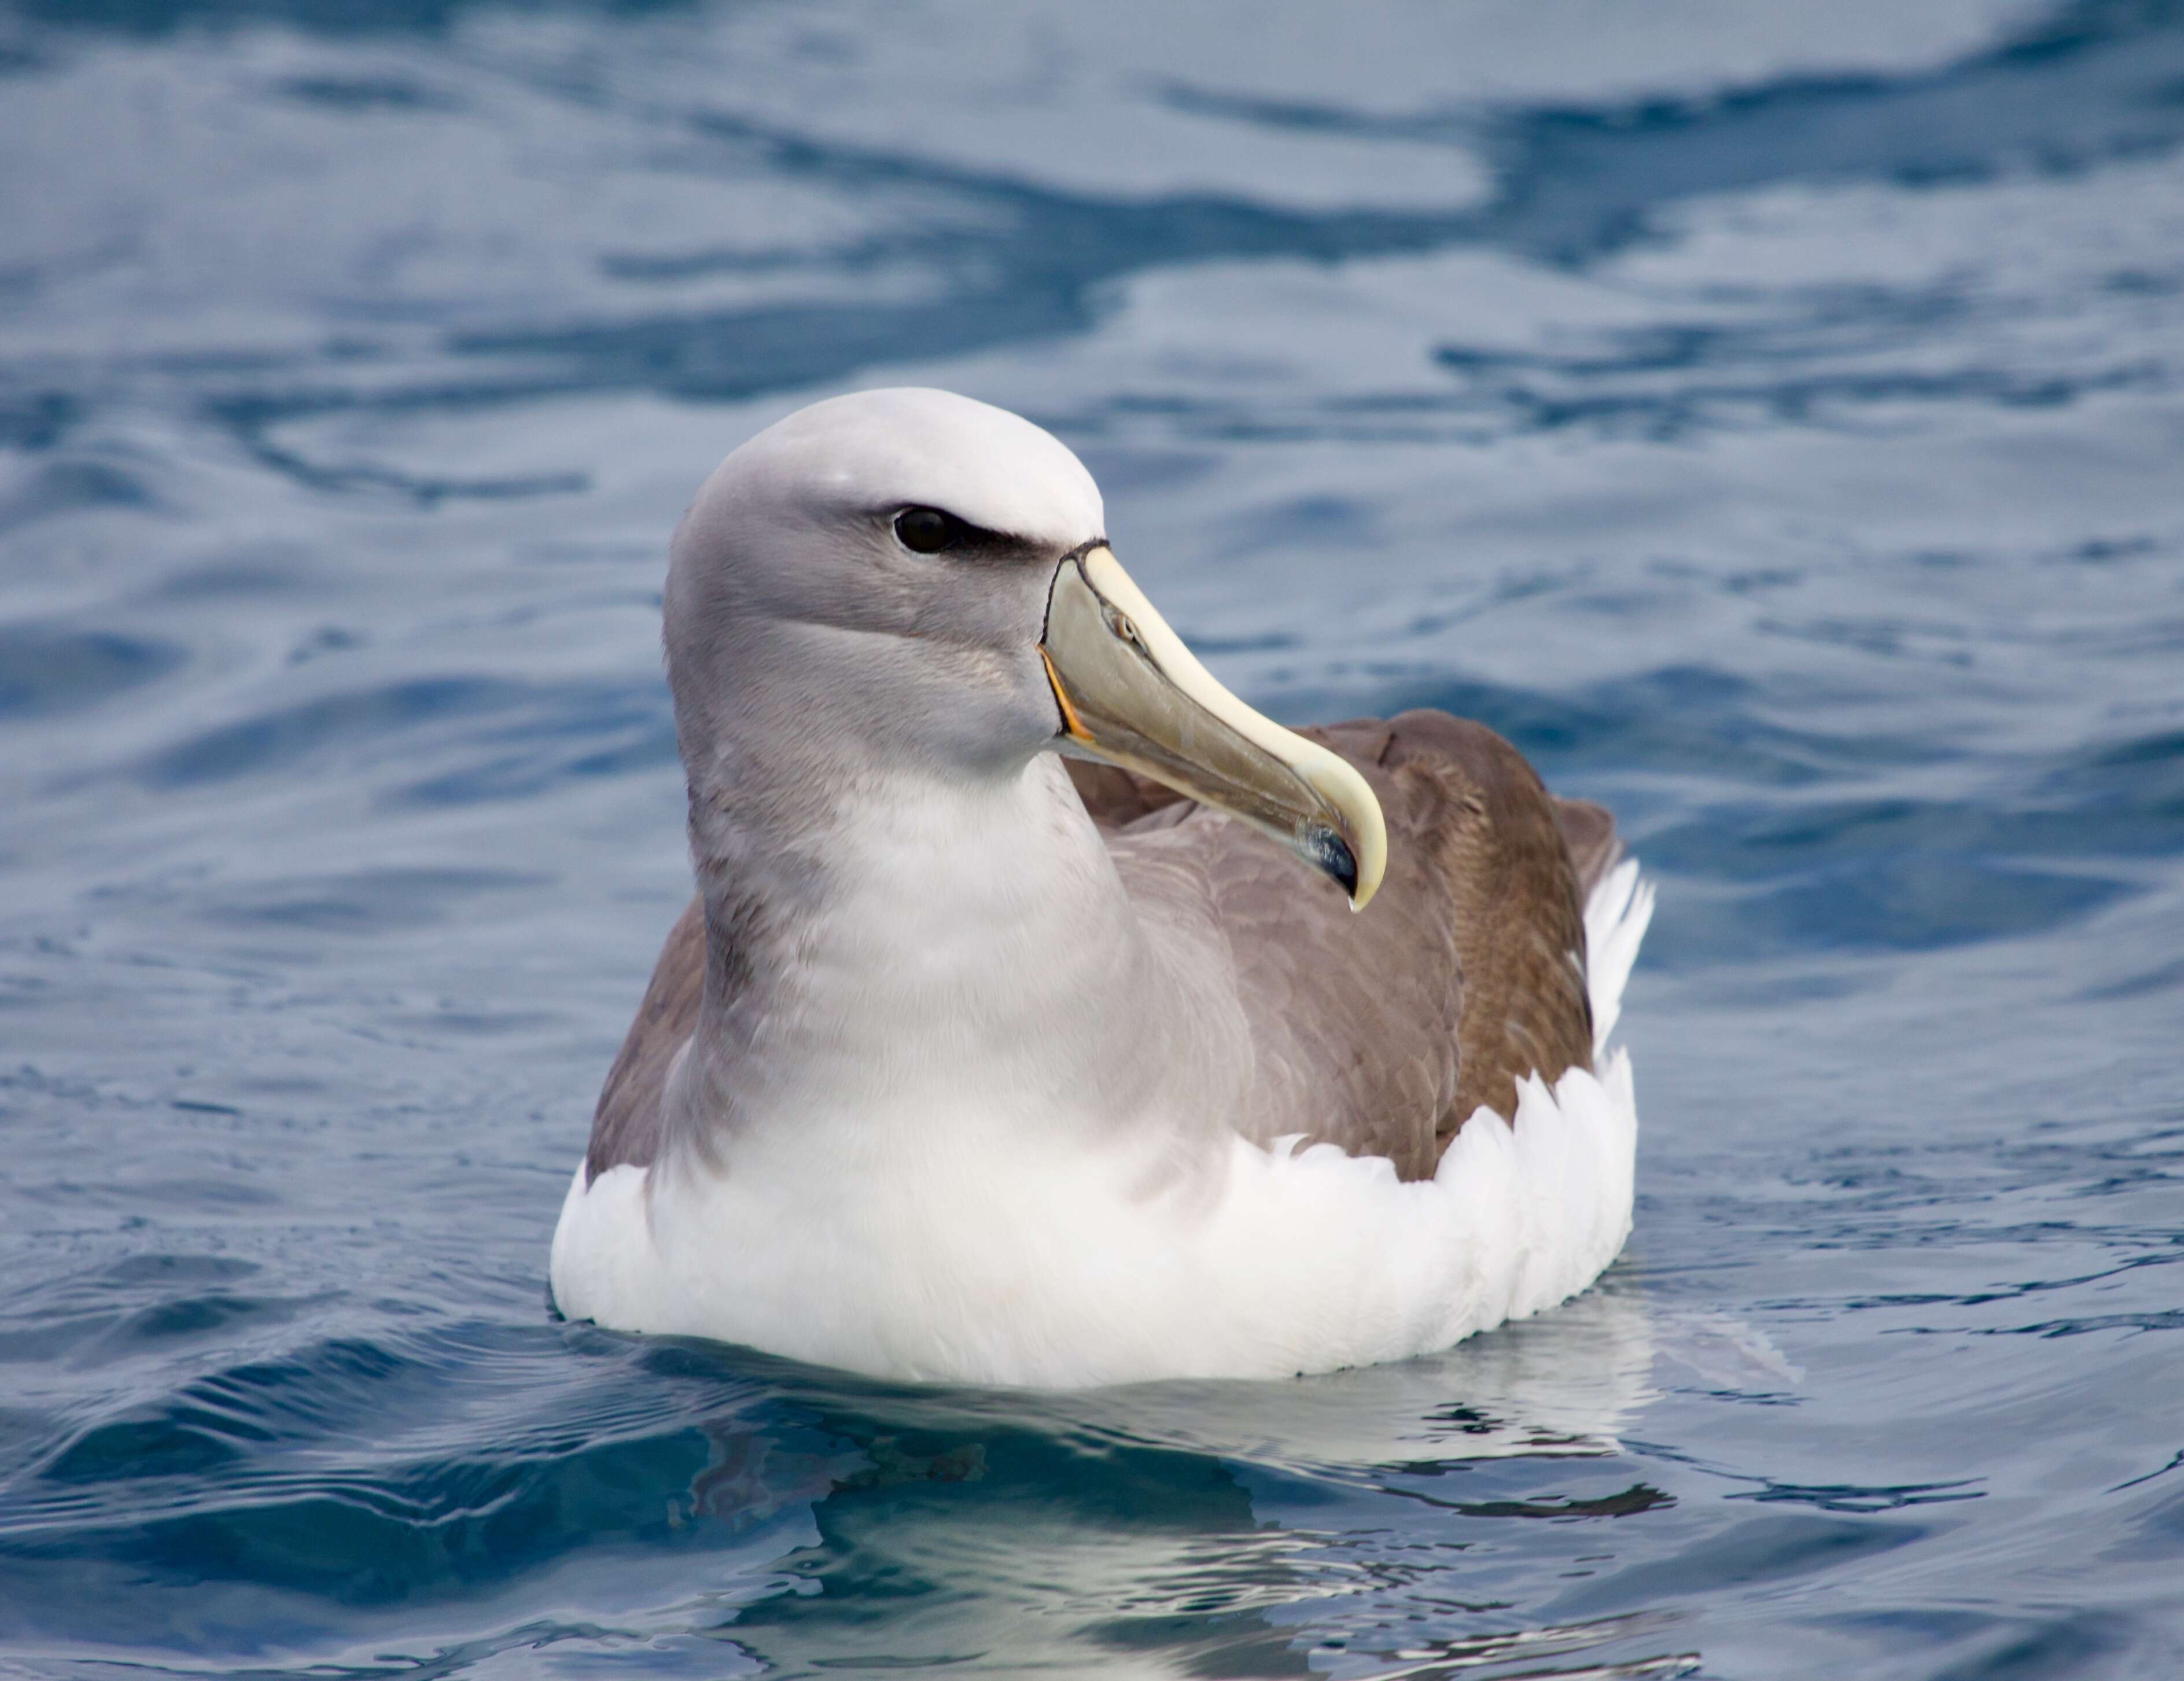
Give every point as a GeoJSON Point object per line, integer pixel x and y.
{"type": "Point", "coordinates": [927, 530]}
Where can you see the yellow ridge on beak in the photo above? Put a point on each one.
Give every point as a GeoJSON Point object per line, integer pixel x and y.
{"type": "Point", "coordinates": [1132, 693]}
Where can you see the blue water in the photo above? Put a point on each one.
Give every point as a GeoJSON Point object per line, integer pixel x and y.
{"type": "Point", "coordinates": [1769, 415]}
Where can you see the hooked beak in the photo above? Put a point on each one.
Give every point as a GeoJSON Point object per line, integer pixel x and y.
{"type": "Point", "coordinates": [1132, 693]}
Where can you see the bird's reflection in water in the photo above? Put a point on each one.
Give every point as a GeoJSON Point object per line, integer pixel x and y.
{"type": "Point", "coordinates": [1186, 1527]}
{"type": "Point", "coordinates": [754, 1474]}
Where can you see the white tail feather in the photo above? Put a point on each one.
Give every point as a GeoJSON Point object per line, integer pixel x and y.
{"type": "Point", "coordinates": [1615, 918]}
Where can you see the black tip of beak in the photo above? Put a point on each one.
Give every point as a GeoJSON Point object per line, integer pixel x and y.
{"type": "Point", "coordinates": [1332, 853]}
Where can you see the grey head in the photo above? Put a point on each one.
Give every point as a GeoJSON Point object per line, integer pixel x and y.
{"type": "Point", "coordinates": [908, 586]}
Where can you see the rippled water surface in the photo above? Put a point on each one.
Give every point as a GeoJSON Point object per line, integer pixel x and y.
{"type": "Point", "coordinates": [1769, 415]}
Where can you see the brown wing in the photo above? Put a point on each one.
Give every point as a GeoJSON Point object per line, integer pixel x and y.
{"type": "Point", "coordinates": [1519, 906]}
{"type": "Point", "coordinates": [625, 1125]}
{"type": "Point", "coordinates": [1383, 1032]}
{"type": "Point", "coordinates": [1588, 832]}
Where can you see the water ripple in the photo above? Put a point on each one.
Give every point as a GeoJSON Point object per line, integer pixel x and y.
{"type": "Point", "coordinates": [1765, 416]}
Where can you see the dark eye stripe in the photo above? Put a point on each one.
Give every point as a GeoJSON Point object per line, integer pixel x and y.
{"type": "Point", "coordinates": [929, 531]}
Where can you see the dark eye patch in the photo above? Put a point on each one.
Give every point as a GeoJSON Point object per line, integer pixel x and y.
{"type": "Point", "coordinates": [929, 531]}
{"type": "Point", "coordinates": [925, 530]}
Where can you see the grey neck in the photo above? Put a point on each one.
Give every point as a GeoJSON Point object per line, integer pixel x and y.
{"type": "Point", "coordinates": [893, 942]}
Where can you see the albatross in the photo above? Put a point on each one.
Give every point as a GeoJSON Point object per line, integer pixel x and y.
{"type": "Point", "coordinates": [1047, 1016]}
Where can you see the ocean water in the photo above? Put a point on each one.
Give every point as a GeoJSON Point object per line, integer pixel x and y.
{"type": "Point", "coordinates": [1769, 415]}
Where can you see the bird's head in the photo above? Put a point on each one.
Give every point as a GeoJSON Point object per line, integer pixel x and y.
{"type": "Point", "coordinates": [911, 579]}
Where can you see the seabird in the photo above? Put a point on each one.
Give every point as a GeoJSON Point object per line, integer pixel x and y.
{"type": "Point", "coordinates": [1022, 1030]}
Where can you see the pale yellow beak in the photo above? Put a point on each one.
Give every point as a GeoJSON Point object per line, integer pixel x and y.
{"type": "Point", "coordinates": [1132, 693]}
